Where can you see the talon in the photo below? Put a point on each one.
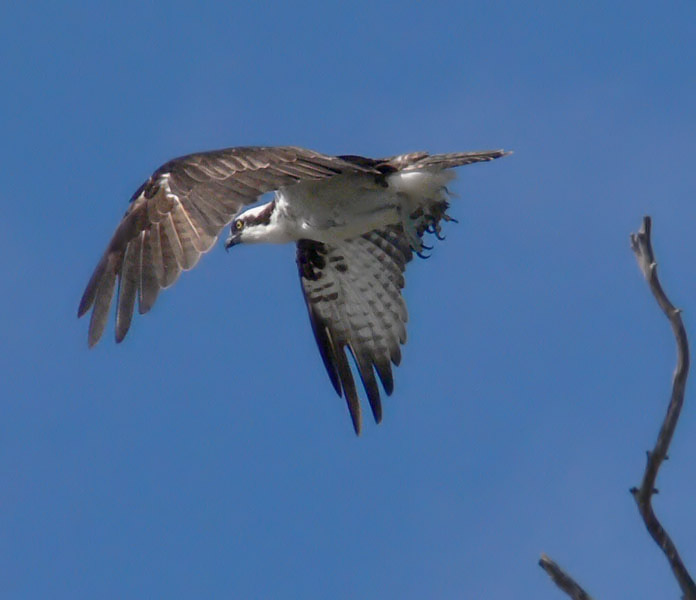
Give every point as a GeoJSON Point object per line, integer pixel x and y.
{"type": "Point", "coordinates": [423, 256]}
{"type": "Point", "coordinates": [424, 247]}
{"type": "Point", "coordinates": [439, 236]}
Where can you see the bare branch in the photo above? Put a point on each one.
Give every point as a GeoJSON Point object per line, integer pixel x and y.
{"type": "Point", "coordinates": [562, 579]}
{"type": "Point", "coordinates": [642, 247]}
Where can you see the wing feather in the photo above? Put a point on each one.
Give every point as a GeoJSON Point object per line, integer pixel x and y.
{"type": "Point", "coordinates": [203, 221]}
{"type": "Point", "coordinates": [168, 229]}
{"type": "Point", "coordinates": [367, 376]}
{"type": "Point", "coordinates": [171, 248]}
{"type": "Point", "coordinates": [188, 237]}
{"type": "Point", "coordinates": [349, 390]}
{"type": "Point", "coordinates": [156, 252]}
{"type": "Point", "coordinates": [149, 288]}
{"type": "Point", "coordinates": [128, 286]}
{"type": "Point", "coordinates": [387, 291]}
{"type": "Point", "coordinates": [103, 294]}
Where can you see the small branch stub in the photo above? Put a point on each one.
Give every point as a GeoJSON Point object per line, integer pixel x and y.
{"type": "Point", "coordinates": [564, 581]}
{"type": "Point", "coordinates": [642, 248]}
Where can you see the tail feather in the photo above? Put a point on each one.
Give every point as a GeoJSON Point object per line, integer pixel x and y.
{"type": "Point", "coordinates": [454, 159]}
{"type": "Point", "coordinates": [419, 160]}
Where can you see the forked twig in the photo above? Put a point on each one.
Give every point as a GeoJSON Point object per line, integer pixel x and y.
{"type": "Point", "coordinates": [562, 579]}
{"type": "Point", "coordinates": [642, 247]}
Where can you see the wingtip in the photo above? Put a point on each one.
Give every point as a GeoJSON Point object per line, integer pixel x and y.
{"type": "Point", "coordinates": [85, 304]}
{"type": "Point", "coordinates": [355, 412]}
{"type": "Point", "coordinates": [357, 426]}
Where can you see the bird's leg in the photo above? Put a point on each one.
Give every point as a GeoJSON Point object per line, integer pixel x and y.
{"type": "Point", "coordinates": [410, 224]}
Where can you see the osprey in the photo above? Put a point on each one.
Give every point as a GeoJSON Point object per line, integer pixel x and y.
{"type": "Point", "coordinates": [355, 221]}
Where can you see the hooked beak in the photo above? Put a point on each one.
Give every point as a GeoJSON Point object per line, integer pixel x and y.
{"type": "Point", "coordinates": [233, 239]}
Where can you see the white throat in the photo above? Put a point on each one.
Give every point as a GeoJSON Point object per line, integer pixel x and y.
{"type": "Point", "coordinates": [264, 225]}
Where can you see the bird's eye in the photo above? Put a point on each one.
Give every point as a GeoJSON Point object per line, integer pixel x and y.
{"type": "Point", "coordinates": [239, 224]}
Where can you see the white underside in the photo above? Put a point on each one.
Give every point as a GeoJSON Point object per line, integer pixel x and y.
{"type": "Point", "coordinates": [347, 206]}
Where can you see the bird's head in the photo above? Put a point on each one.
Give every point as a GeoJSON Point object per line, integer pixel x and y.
{"type": "Point", "coordinates": [253, 226]}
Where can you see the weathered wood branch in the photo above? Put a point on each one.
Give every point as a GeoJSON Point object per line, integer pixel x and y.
{"type": "Point", "coordinates": [642, 247]}
{"type": "Point", "coordinates": [562, 579]}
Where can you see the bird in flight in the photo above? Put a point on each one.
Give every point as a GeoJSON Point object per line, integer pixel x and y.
{"type": "Point", "coordinates": [355, 221]}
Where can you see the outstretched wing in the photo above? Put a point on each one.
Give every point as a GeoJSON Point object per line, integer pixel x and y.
{"type": "Point", "coordinates": [353, 294]}
{"type": "Point", "coordinates": [177, 215]}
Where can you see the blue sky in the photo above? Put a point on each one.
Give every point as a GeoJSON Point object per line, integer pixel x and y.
{"type": "Point", "coordinates": [207, 456]}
